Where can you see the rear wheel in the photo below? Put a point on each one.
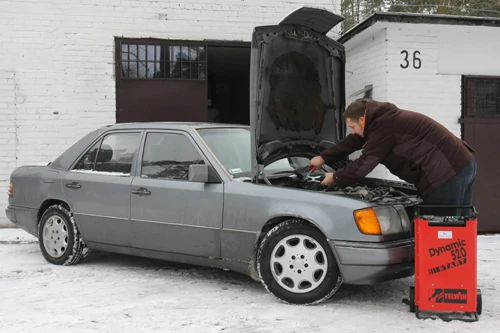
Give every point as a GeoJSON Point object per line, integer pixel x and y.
{"type": "Point", "coordinates": [295, 263]}
{"type": "Point", "coordinates": [59, 238]}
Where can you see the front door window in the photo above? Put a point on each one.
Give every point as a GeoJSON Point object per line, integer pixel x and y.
{"type": "Point", "coordinates": [168, 156]}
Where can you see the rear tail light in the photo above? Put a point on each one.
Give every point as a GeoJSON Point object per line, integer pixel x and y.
{"type": "Point", "coordinates": [11, 190]}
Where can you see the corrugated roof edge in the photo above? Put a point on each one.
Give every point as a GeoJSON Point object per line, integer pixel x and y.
{"type": "Point", "coordinates": [417, 18]}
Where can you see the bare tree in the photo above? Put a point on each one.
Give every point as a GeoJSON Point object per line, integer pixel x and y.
{"type": "Point", "coordinates": [355, 11]}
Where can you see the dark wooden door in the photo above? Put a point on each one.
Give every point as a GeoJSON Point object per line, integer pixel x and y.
{"type": "Point", "coordinates": [158, 80]}
{"type": "Point", "coordinates": [482, 132]}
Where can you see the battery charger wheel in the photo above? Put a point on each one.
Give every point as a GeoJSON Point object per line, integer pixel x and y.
{"type": "Point", "coordinates": [296, 264]}
{"type": "Point", "coordinates": [412, 299]}
{"type": "Point", "coordinates": [479, 305]}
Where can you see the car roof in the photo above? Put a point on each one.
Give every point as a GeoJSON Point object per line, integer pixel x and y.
{"type": "Point", "coordinates": [64, 161]}
{"type": "Point", "coordinates": [173, 125]}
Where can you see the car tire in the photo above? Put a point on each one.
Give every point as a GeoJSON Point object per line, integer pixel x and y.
{"type": "Point", "coordinates": [295, 264]}
{"type": "Point", "coordinates": [59, 239]}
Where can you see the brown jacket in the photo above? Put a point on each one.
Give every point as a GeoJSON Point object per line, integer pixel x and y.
{"type": "Point", "coordinates": [411, 145]}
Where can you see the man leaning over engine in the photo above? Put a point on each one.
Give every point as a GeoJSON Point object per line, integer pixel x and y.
{"type": "Point", "coordinates": [411, 145]}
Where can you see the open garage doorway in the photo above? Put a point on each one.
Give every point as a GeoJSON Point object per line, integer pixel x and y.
{"type": "Point", "coordinates": [228, 84]}
{"type": "Point", "coordinates": [179, 80]}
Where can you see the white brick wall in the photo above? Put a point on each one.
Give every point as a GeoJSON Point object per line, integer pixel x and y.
{"type": "Point", "coordinates": [446, 53]}
{"type": "Point", "coordinates": [7, 133]}
{"type": "Point", "coordinates": [62, 55]}
{"type": "Point", "coordinates": [366, 64]}
{"type": "Point", "coordinates": [423, 89]}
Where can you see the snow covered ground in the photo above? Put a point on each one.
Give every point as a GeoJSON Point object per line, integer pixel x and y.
{"type": "Point", "coordinates": [114, 293]}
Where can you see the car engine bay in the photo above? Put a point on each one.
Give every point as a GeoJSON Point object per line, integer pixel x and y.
{"type": "Point", "coordinates": [373, 190]}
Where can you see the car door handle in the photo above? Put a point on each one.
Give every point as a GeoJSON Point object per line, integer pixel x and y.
{"type": "Point", "coordinates": [141, 191]}
{"type": "Point", "coordinates": [73, 185]}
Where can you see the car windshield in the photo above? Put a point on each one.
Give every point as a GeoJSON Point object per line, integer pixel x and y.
{"type": "Point", "coordinates": [232, 148]}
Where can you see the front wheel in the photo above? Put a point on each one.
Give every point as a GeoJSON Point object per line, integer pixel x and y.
{"type": "Point", "coordinates": [295, 263]}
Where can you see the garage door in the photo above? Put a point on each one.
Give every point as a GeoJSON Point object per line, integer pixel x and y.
{"type": "Point", "coordinates": [158, 80]}
{"type": "Point", "coordinates": [482, 131]}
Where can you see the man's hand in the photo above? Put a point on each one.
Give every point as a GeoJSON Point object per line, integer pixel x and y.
{"type": "Point", "coordinates": [328, 181]}
{"type": "Point", "coordinates": [317, 162]}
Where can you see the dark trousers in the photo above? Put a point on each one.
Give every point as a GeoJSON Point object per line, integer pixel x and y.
{"type": "Point", "coordinates": [457, 192]}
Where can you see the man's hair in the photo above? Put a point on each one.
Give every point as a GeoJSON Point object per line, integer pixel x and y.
{"type": "Point", "coordinates": [355, 110]}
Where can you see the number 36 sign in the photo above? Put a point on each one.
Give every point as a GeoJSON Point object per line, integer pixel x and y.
{"type": "Point", "coordinates": [416, 60]}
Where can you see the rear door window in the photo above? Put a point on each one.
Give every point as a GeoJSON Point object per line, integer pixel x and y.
{"type": "Point", "coordinates": [87, 161]}
{"type": "Point", "coordinates": [115, 155]}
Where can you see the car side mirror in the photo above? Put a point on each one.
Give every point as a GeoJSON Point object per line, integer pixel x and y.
{"type": "Point", "coordinates": [199, 173]}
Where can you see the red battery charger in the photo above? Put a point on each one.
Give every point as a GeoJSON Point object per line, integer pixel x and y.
{"type": "Point", "coordinates": [446, 267]}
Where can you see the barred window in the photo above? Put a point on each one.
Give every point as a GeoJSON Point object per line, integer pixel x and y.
{"type": "Point", "coordinates": [163, 61]}
{"type": "Point", "coordinates": [483, 96]}
{"type": "Point", "coordinates": [487, 99]}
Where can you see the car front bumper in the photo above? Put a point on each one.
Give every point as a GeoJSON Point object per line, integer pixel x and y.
{"type": "Point", "coordinates": [369, 263]}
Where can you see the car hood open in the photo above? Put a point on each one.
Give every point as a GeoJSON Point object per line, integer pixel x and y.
{"type": "Point", "coordinates": [297, 87]}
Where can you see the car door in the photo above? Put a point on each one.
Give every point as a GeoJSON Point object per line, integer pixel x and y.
{"type": "Point", "coordinates": [98, 187]}
{"type": "Point", "coordinates": [170, 213]}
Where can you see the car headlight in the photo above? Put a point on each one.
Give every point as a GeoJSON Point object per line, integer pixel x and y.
{"type": "Point", "coordinates": [381, 220]}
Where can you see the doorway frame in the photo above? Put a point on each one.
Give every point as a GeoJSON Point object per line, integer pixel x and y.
{"type": "Point", "coordinates": [207, 43]}
{"type": "Point", "coordinates": [468, 92]}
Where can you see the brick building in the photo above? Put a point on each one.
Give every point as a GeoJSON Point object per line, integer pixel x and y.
{"type": "Point", "coordinates": [58, 78]}
{"type": "Point", "coordinates": [69, 67]}
{"type": "Point", "coordinates": [443, 66]}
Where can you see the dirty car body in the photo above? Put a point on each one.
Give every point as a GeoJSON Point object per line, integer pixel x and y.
{"type": "Point", "coordinates": [229, 196]}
